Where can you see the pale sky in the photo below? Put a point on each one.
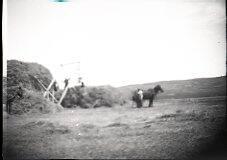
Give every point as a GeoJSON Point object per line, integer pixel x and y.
{"type": "Point", "coordinates": [118, 42]}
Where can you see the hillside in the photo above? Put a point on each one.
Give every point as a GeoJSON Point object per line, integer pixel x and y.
{"type": "Point", "coordinates": [193, 88]}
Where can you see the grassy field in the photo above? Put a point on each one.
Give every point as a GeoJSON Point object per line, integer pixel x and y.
{"type": "Point", "coordinates": [174, 128]}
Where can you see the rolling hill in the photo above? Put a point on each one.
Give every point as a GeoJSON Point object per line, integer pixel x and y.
{"type": "Point", "coordinates": [192, 88]}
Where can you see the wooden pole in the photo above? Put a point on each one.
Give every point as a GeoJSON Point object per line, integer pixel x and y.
{"type": "Point", "coordinates": [52, 95]}
{"type": "Point", "coordinates": [47, 90]}
{"type": "Point", "coordinates": [41, 83]}
{"type": "Point", "coordinates": [63, 94]}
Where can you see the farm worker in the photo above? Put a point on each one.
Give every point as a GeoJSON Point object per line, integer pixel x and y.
{"type": "Point", "coordinates": [66, 82]}
{"type": "Point", "coordinates": [20, 91]}
{"type": "Point", "coordinates": [82, 85]}
{"type": "Point", "coordinates": [140, 93]}
{"type": "Point", "coordinates": [17, 94]}
{"type": "Point", "coordinates": [55, 86]}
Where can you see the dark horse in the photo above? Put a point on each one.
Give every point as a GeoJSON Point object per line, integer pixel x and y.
{"type": "Point", "coordinates": [147, 95]}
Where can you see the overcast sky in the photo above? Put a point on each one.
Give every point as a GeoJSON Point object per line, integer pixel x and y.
{"type": "Point", "coordinates": [118, 42]}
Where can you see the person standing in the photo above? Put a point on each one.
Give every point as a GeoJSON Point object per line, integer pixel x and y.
{"type": "Point", "coordinates": [66, 82]}
{"type": "Point", "coordinates": [55, 89]}
{"type": "Point", "coordinates": [140, 93]}
{"type": "Point", "coordinates": [82, 85]}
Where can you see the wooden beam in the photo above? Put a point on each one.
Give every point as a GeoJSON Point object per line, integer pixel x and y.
{"type": "Point", "coordinates": [63, 94]}
{"type": "Point", "coordinates": [53, 96]}
{"type": "Point", "coordinates": [41, 83]}
{"type": "Point", "coordinates": [47, 90]}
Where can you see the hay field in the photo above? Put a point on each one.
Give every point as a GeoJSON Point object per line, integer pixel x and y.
{"type": "Point", "coordinates": [174, 128]}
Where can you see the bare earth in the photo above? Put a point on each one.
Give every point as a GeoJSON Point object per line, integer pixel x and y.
{"type": "Point", "coordinates": [171, 129]}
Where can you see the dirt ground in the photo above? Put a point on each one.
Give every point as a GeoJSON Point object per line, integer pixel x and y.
{"type": "Point", "coordinates": [175, 128]}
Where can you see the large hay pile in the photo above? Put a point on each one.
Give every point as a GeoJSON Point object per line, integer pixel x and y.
{"type": "Point", "coordinates": [92, 97]}
{"type": "Point", "coordinates": [23, 73]}
{"type": "Point", "coordinates": [21, 81]}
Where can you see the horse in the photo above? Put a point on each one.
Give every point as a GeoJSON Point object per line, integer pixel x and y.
{"type": "Point", "coordinates": [148, 94]}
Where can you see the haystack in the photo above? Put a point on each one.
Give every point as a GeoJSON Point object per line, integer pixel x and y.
{"type": "Point", "coordinates": [21, 75]}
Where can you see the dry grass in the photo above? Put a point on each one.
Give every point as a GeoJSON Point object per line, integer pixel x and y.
{"type": "Point", "coordinates": [34, 102]}
{"type": "Point", "coordinates": [171, 129]}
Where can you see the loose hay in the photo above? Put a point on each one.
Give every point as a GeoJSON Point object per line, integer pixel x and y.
{"type": "Point", "coordinates": [32, 103]}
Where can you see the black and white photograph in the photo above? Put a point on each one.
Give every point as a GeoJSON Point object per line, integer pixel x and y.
{"type": "Point", "coordinates": [114, 79]}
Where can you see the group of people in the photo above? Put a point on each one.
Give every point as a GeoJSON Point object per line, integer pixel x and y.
{"type": "Point", "coordinates": [55, 87]}
{"type": "Point", "coordinates": [66, 81]}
